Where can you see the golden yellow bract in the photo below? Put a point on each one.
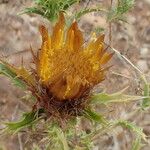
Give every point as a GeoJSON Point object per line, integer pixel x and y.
{"type": "Point", "coordinates": [67, 67]}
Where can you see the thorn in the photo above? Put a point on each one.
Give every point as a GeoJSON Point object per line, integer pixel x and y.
{"type": "Point", "coordinates": [33, 55]}
{"type": "Point", "coordinates": [22, 62]}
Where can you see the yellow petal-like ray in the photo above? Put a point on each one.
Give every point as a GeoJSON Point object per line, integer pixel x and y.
{"type": "Point", "coordinates": [74, 39]}
{"type": "Point", "coordinates": [43, 63]}
{"type": "Point", "coordinates": [67, 67]}
{"type": "Point", "coordinates": [22, 73]}
{"type": "Point", "coordinates": [58, 33]}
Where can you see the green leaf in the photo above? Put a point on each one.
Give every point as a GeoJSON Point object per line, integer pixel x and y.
{"type": "Point", "coordinates": [32, 10]}
{"type": "Point", "coordinates": [50, 9]}
{"type": "Point", "coordinates": [137, 144]}
{"type": "Point", "coordinates": [133, 127]}
{"type": "Point", "coordinates": [117, 12]}
{"type": "Point", "coordinates": [92, 115]}
{"type": "Point", "coordinates": [119, 97]}
{"type": "Point", "coordinates": [137, 130]}
{"type": "Point", "coordinates": [57, 137]}
{"type": "Point", "coordinates": [7, 71]}
{"type": "Point", "coordinates": [27, 120]}
{"type": "Point", "coordinates": [62, 138]}
{"type": "Point", "coordinates": [83, 12]}
{"type": "Point", "coordinates": [146, 101]}
{"type": "Point", "coordinates": [146, 93]}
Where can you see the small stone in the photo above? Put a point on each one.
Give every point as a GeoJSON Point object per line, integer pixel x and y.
{"type": "Point", "coordinates": [144, 51]}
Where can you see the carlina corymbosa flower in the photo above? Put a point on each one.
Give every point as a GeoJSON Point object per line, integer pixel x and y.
{"type": "Point", "coordinates": [66, 69]}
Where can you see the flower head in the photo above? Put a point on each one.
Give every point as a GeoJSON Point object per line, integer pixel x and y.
{"type": "Point", "coordinates": [65, 70]}
{"type": "Point", "coordinates": [67, 67]}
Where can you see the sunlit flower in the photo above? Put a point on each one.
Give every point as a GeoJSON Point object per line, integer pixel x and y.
{"type": "Point", "coordinates": [66, 68]}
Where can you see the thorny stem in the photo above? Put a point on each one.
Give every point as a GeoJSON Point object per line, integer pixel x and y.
{"type": "Point", "coordinates": [142, 75]}
{"type": "Point", "coordinates": [127, 60]}
{"type": "Point", "coordinates": [110, 26]}
{"type": "Point", "coordinates": [110, 33]}
{"type": "Point", "coordinates": [127, 77]}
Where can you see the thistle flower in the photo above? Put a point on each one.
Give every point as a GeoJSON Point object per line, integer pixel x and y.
{"type": "Point", "coordinates": [65, 70]}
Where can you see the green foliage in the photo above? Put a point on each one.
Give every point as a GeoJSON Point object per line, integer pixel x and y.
{"type": "Point", "coordinates": [137, 144]}
{"type": "Point", "coordinates": [146, 101]}
{"type": "Point", "coordinates": [57, 138]}
{"type": "Point", "coordinates": [7, 71]}
{"type": "Point", "coordinates": [86, 141]}
{"type": "Point", "coordinates": [92, 115]}
{"type": "Point", "coordinates": [83, 12]}
{"type": "Point", "coordinates": [117, 12]}
{"type": "Point", "coordinates": [133, 127]}
{"type": "Point", "coordinates": [64, 139]}
{"type": "Point", "coordinates": [28, 119]}
{"type": "Point", "coordinates": [146, 93]}
{"type": "Point", "coordinates": [137, 130]}
{"type": "Point", "coordinates": [50, 9]}
{"type": "Point", "coordinates": [119, 97]}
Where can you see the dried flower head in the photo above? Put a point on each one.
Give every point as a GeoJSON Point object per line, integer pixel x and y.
{"type": "Point", "coordinates": [65, 70]}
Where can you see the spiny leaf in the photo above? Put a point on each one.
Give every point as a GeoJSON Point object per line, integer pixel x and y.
{"type": "Point", "coordinates": [50, 9]}
{"type": "Point", "coordinates": [7, 71]}
{"type": "Point", "coordinates": [146, 93]}
{"type": "Point", "coordinates": [137, 144]}
{"type": "Point", "coordinates": [27, 120]}
{"type": "Point", "coordinates": [146, 101]}
{"type": "Point", "coordinates": [82, 12]}
{"type": "Point", "coordinates": [95, 116]}
{"type": "Point", "coordinates": [32, 10]}
{"type": "Point", "coordinates": [119, 97]}
{"type": "Point", "coordinates": [116, 13]}
{"type": "Point", "coordinates": [62, 138]}
{"type": "Point", "coordinates": [133, 127]}
{"type": "Point", "coordinates": [57, 136]}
